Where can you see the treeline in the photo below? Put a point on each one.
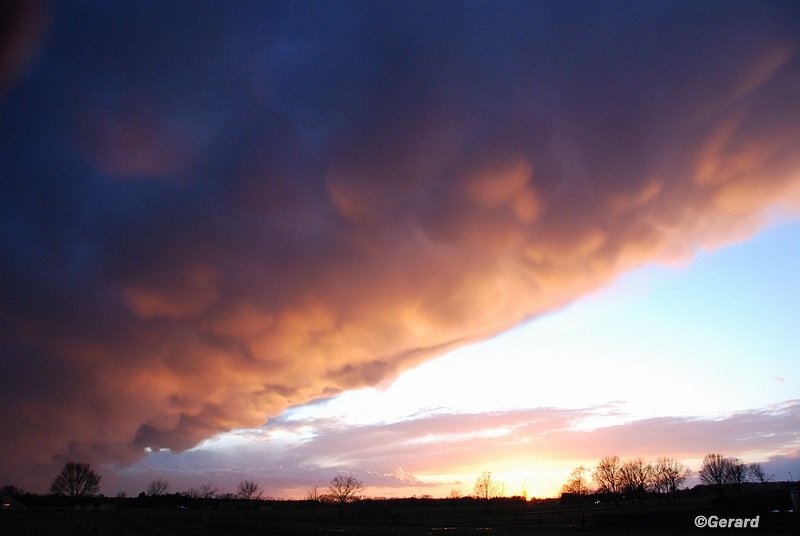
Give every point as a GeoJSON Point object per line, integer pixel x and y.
{"type": "Point", "coordinates": [612, 478]}
{"type": "Point", "coordinates": [635, 479]}
{"type": "Point", "coordinates": [720, 472]}
{"type": "Point", "coordinates": [78, 480]}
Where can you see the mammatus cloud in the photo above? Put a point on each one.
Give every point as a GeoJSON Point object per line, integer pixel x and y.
{"type": "Point", "coordinates": [215, 213]}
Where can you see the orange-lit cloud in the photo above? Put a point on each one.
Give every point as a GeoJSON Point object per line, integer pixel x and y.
{"type": "Point", "coordinates": [340, 198]}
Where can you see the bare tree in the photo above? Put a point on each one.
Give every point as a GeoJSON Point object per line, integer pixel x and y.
{"type": "Point", "coordinates": [157, 488]}
{"type": "Point", "coordinates": [607, 475]}
{"type": "Point", "coordinates": [635, 477]}
{"type": "Point", "coordinates": [249, 490]}
{"type": "Point", "coordinates": [454, 494]}
{"type": "Point", "coordinates": [577, 483]}
{"type": "Point", "coordinates": [315, 497]}
{"type": "Point", "coordinates": [314, 494]}
{"type": "Point", "coordinates": [736, 473]}
{"type": "Point", "coordinates": [668, 475]}
{"type": "Point", "coordinates": [208, 491]}
{"type": "Point", "coordinates": [715, 471]}
{"type": "Point", "coordinates": [344, 488]}
{"type": "Point", "coordinates": [758, 474]}
{"type": "Point", "coordinates": [486, 488]}
{"type": "Point", "coordinates": [76, 480]}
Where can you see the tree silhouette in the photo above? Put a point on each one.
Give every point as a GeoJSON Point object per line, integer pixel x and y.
{"type": "Point", "coordinates": [577, 484]}
{"type": "Point", "coordinates": [157, 487]}
{"type": "Point", "coordinates": [486, 488]}
{"type": "Point", "coordinates": [314, 494]}
{"type": "Point", "coordinates": [758, 473]}
{"type": "Point", "coordinates": [343, 489]}
{"type": "Point", "coordinates": [11, 491]}
{"type": "Point", "coordinates": [668, 475]}
{"type": "Point", "coordinates": [607, 475]}
{"type": "Point", "coordinates": [635, 477]}
{"type": "Point", "coordinates": [736, 473]}
{"type": "Point", "coordinates": [208, 491]}
{"type": "Point", "coordinates": [76, 480]}
{"type": "Point", "coordinates": [249, 490]}
{"type": "Point", "coordinates": [717, 470]}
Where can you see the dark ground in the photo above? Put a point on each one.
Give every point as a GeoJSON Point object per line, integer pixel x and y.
{"type": "Point", "coordinates": [400, 517]}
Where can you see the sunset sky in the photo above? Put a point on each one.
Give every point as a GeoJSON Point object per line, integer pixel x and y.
{"type": "Point", "coordinates": [409, 240]}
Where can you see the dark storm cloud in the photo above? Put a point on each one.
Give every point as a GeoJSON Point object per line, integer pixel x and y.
{"type": "Point", "coordinates": [211, 213]}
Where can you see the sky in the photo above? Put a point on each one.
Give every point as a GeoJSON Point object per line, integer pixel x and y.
{"type": "Point", "coordinates": [412, 241]}
{"type": "Point", "coordinates": [694, 357]}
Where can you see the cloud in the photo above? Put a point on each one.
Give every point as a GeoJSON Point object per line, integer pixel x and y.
{"type": "Point", "coordinates": [218, 212]}
{"type": "Point", "coordinates": [292, 455]}
{"type": "Point", "coordinates": [783, 466]}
